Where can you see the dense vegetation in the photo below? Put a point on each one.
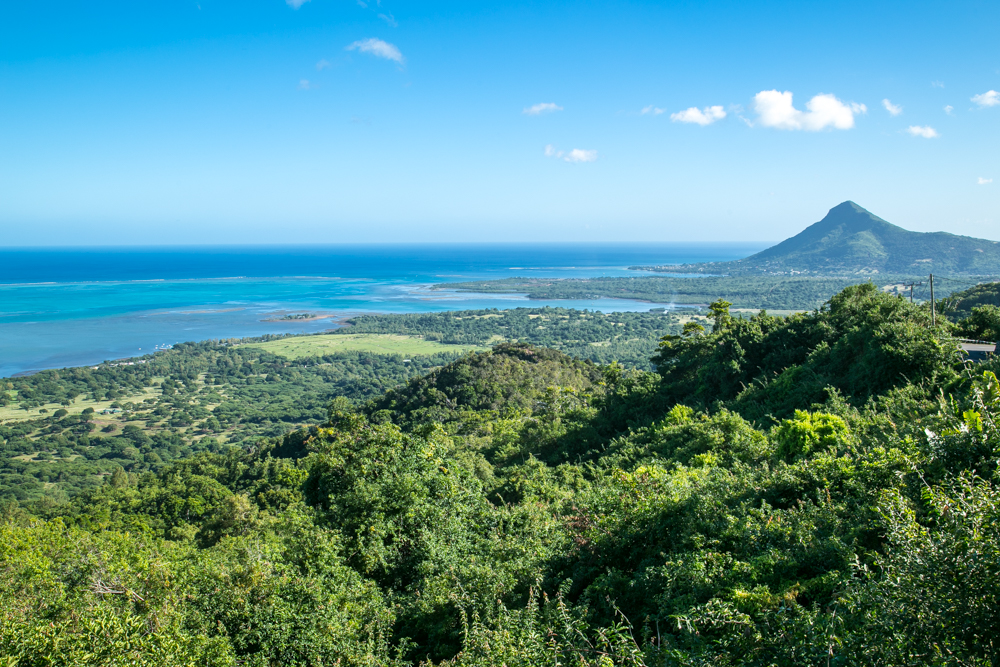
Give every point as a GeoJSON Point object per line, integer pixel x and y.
{"type": "Point", "coordinates": [812, 490]}
{"type": "Point", "coordinates": [142, 415]}
{"type": "Point", "coordinates": [168, 406]}
{"type": "Point", "coordinates": [977, 310]}
{"type": "Point", "coordinates": [959, 305]}
{"type": "Point", "coordinates": [852, 241]}
{"type": "Point", "coordinates": [628, 338]}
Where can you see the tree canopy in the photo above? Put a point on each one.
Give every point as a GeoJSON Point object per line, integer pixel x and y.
{"type": "Point", "coordinates": [819, 489]}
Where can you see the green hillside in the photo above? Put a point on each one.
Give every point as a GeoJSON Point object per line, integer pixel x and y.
{"type": "Point", "coordinates": [960, 304]}
{"type": "Point", "coordinates": [852, 240]}
{"type": "Point", "coordinates": [819, 490]}
{"type": "Point", "coordinates": [977, 311]}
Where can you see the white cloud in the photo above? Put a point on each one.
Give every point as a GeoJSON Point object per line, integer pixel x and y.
{"type": "Point", "coordinates": [305, 85]}
{"type": "Point", "coordinates": [390, 19]}
{"type": "Point", "coordinates": [656, 111]}
{"type": "Point", "coordinates": [377, 48]}
{"type": "Point", "coordinates": [984, 181]}
{"type": "Point", "coordinates": [925, 131]}
{"type": "Point", "coordinates": [893, 109]}
{"type": "Point", "coordinates": [990, 98]}
{"type": "Point", "coordinates": [705, 116]}
{"type": "Point", "coordinates": [937, 84]}
{"type": "Point", "coordinates": [543, 107]}
{"type": "Point", "coordinates": [581, 155]}
{"type": "Point", "coordinates": [322, 65]}
{"type": "Point", "coordinates": [295, 4]}
{"type": "Point", "coordinates": [774, 109]}
{"type": "Point", "coordinates": [575, 155]}
{"type": "Point", "coordinates": [948, 109]}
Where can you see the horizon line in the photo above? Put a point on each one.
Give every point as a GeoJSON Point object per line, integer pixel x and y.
{"type": "Point", "coordinates": [370, 244]}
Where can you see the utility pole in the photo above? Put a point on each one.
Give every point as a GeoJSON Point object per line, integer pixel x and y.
{"type": "Point", "coordinates": [933, 313]}
{"type": "Point", "coordinates": [911, 286]}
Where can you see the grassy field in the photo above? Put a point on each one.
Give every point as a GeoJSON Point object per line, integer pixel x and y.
{"type": "Point", "coordinates": [14, 412]}
{"type": "Point", "coordinates": [295, 347]}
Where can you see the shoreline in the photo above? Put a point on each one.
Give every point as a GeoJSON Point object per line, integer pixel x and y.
{"type": "Point", "coordinates": [197, 324]}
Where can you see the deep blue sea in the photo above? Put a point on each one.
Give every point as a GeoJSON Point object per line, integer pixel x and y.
{"type": "Point", "coordinates": [73, 307]}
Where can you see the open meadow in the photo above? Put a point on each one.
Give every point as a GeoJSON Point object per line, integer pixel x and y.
{"type": "Point", "coordinates": [17, 412]}
{"type": "Point", "coordinates": [313, 346]}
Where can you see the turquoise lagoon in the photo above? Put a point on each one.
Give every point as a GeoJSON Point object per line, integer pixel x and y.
{"type": "Point", "coordinates": [72, 307]}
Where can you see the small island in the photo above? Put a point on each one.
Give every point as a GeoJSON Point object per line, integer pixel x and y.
{"type": "Point", "coordinates": [301, 317]}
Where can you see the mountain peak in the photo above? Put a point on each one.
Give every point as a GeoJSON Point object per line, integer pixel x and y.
{"type": "Point", "coordinates": [852, 240]}
{"type": "Point", "coordinates": [852, 216]}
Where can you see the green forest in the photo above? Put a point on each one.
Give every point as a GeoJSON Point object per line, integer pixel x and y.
{"type": "Point", "coordinates": [961, 304]}
{"type": "Point", "coordinates": [628, 338]}
{"type": "Point", "coordinates": [65, 430]}
{"type": "Point", "coordinates": [196, 397]}
{"type": "Point", "coordinates": [816, 489]}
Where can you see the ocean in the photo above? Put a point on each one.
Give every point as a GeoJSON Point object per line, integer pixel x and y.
{"type": "Point", "coordinates": [73, 307]}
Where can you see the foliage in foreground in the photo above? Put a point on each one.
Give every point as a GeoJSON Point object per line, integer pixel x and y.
{"type": "Point", "coordinates": [519, 507]}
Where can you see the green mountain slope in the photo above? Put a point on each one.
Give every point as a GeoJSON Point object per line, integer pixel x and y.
{"type": "Point", "coordinates": [959, 305]}
{"type": "Point", "coordinates": [852, 240]}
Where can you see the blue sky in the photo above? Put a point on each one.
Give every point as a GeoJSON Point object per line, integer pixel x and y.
{"type": "Point", "coordinates": [209, 121]}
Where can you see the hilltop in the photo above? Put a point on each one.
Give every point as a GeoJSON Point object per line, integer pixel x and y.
{"type": "Point", "coordinates": [852, 240]}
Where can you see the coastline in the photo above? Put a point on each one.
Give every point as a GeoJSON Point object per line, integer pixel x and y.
{"type": "Point", "coordinates": [68, 309]}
